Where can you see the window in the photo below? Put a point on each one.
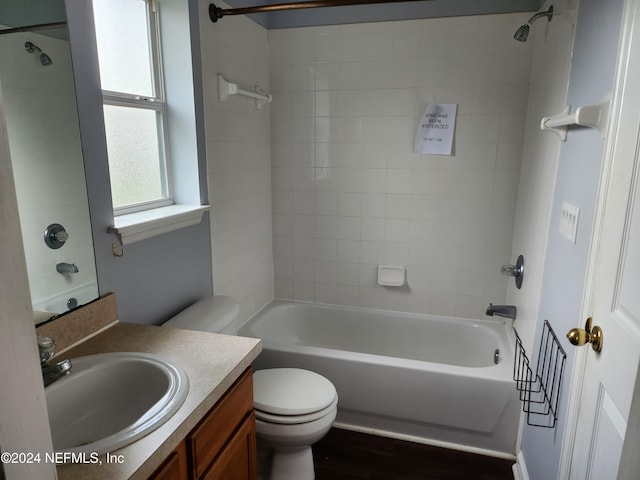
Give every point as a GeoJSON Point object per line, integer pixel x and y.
{"type": "Point", "coordinates": [128, 39]}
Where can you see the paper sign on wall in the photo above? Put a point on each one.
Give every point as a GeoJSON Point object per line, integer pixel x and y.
{"type": "Point", "coordinates": [435, 131]}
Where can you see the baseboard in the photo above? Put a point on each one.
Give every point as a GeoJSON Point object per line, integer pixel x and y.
{"type": "Point", "coordinates": [520, 468]}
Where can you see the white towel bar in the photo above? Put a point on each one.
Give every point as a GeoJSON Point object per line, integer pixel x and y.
{"type": "Point", "coordinates": [594, 116]}
{"type": "Point", "coordinates": [226, 89]}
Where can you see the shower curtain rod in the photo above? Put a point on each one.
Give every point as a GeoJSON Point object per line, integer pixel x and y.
{"type": "Point", "coordinates": [31, 28]}
{"type": "Point", "coordinates": [216, 13]}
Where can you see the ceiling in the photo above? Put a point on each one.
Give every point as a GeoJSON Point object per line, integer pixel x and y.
{"type": "Point", "coordinates": [19, 13]}
{"type": "Point", "coordinates": [16, 13]}
{"type": "Point", "coordinates": [29, 12]}
{"type": "Point", "coordinates": [381, 12]}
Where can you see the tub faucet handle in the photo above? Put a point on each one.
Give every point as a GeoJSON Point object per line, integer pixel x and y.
{"type": "Point", "coordinates": [516, 271]}
{"type": "Point", "coordinates": [510, 270]}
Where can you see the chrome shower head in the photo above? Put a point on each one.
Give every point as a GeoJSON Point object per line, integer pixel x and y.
{"type": "Point", "coordinates": [45, 60]}
{"type": "Point", "coordinates": [522, 33]}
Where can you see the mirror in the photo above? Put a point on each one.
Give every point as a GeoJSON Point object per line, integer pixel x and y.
{"type": "Point", "coordinates": [38, 96]}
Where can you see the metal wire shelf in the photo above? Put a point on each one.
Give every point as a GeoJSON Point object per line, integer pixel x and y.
{"type": "Point", "coordinates": [540, 390]}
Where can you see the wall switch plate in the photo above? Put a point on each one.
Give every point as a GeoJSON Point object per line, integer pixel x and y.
{"type": "Point", "coordinates": [569, 221]}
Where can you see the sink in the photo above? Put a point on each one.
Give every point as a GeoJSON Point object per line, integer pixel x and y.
{"type": "Point", "coordinates": [110, 400]}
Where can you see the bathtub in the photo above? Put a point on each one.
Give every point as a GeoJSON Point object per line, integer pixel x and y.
{"type": "Point", "coordinates": [437, 380]}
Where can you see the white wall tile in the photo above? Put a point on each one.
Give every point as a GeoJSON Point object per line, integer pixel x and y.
{"type": "Point", "coordinates": [240, 177]}
{"type": "Point", "coordinates": [373, 200]}
{"type": "Point", "coordinates": [304, 203]}
{"type": "Point", "coordinates": [303, 291]}
{"type": "Point", "coordinates": [372, 229]}
{"type": "Point", "coordinates": [370, 297]}
{"type": "Point", "coordinates": [325, 293]}
{"type": "Point", "coordinates": [349, 204]}
{"type": "Point", "coordinates": [347, 295]}
{"type": "Point", "coordinates": [349, 228]}
{"type": "Point", "coordinates": [347, 273]}
{"type": "Point", "coordinates": [326, 226]}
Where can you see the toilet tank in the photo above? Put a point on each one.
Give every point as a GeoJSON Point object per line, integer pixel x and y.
{"type": "Point", "coordinates": [216, 314]}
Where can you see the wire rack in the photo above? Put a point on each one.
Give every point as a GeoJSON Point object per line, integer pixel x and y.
{"type": "Point", "coordinates": [540, 390]}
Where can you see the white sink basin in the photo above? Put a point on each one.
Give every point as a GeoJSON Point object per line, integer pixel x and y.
{"type": "Point", "coordinates": [112, 399]}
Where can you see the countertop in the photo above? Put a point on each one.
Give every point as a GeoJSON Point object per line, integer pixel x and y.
{"type": "Point", "coordinates": [212, 361]}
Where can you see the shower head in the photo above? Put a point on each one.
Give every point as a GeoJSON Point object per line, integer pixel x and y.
{"type": "Point", "coordinates": [522, 33]}
{"type": "Point", "coordinates": [45, 60]}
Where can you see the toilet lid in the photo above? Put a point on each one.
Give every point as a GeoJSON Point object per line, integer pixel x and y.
{"type": "Point", "coordinates": [291, 391]}
{"type": "Point", "coordinates": [298, 419]}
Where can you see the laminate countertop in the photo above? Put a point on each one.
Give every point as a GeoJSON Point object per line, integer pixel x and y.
{"type": "Point", "coordinates": [213, 362]}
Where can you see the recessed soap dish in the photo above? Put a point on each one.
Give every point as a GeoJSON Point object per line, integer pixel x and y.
{"type": "Point", "coordinates": [391, 276]}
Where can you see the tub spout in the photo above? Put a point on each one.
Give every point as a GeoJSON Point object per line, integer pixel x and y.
{"type": "Point", "coordinates": [506, 311]}
{"type": "Point", "coordinates": [66, 268]}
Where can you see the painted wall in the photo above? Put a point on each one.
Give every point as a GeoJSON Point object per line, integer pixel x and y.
{"type": "Point", "coordinates": [592, 75]}
{"type": "Point", "coordinates": [348, 191]}
{"type": "Point", "coordinates": [42, 126]}
{"type": "Point", "coordinates": [238, 161]}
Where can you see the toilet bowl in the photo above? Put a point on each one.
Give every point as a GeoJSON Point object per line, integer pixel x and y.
{"type": "Point", "coordinates": [294, 408]}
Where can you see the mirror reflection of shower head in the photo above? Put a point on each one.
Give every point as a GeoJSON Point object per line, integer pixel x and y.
{"type": "Point", "coordinates": [522, 33]}
{"type": "Point", "coordinates": [45, 60]}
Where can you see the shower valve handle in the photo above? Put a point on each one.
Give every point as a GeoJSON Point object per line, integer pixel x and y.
{"type": "Point", "coordinates": [516, 271]}
{"type": "Point", "coordinates": [511, 270]}
{"type": "Point", "coordinates": [55, 236]}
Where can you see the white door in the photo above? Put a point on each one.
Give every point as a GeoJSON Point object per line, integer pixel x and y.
{"type": "Point", "coordinates": [613, 289]}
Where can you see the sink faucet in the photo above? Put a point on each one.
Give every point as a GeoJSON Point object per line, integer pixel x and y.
{"type": "Point", "coordinates": [51, 373]}
{"type": "Point", "coordinates": [506, 311]}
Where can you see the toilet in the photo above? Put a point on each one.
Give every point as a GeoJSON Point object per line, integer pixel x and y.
{"type": "Point", "coordinates": [294, 408]}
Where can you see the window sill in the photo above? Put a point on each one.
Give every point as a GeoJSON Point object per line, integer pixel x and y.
{"type": "Point", "coordinates": [138, 226]}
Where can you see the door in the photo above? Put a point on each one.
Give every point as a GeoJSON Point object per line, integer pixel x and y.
{"type": "Point", "coordinates": [613, 289]}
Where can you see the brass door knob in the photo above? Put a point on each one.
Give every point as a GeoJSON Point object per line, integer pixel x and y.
{"type": "Point", "coordinates": [580, 337]}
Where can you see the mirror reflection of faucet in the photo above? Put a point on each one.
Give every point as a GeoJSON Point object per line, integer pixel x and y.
{"type": "Point", "coordinates": [506, 311]}
{"type": "Point", "coordinates": [66, 268]}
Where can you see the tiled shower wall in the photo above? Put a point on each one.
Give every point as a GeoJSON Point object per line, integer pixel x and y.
{"type": "Point", "coordinates": [238, 161]}
{"type": "Point", "coordinates": [348, 193]}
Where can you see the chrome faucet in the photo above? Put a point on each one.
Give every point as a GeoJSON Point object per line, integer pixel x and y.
{"type": "Point", "coordinates": [66, 268]}
{"type": "Point", "coordinates": [506, 311]}
{"type": "Point", "coordinates": [51, 373]}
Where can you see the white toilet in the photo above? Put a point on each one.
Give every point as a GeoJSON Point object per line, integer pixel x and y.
{"type": "Point", "coordinates": [294, 408]}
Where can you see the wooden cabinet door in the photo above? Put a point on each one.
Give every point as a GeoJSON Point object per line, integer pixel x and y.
{"type": "Point", "coordinates": [211, 435]}
{"type": "Point", "coordinates": [174, 467]}
{"type": "Point", "coordinates": [238, 459]}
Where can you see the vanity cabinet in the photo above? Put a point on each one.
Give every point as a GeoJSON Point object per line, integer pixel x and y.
{"type": "Point", "coordinates": [175, 466]}
{"type": "Point", "coordinates": [223, 445]}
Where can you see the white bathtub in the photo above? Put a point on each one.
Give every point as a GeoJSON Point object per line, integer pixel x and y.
{"type": "Point", "coordinates": [418, 377]}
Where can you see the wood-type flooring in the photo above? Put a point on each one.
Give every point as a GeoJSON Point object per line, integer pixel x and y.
{"type": "Point", "coordinates": [347, 455]}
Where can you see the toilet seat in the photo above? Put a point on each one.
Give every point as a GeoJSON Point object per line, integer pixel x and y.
{"type": "Point", "coordinates": [292, 395]}
{"type": "Point", "coordinates": [296, 419]}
